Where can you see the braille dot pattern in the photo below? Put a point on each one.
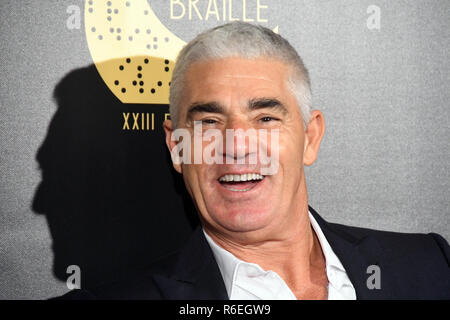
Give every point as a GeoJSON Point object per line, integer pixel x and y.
{"type": "Point", "coordinates": [109, 17]}
{"type": "Point", "coordinates": [129, 62]}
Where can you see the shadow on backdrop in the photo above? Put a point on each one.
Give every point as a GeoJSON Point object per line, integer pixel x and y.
{"type": "Point", "coordinates": [112, 201]}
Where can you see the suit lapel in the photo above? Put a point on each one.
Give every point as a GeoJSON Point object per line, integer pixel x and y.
{"type": "Point", "coordinates": [357, 254]}
{"type": "Point", "coordinates": [195, 274]}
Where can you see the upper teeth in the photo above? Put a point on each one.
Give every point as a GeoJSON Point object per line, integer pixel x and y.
{"type": "Point", "coordinates": [241, 177]}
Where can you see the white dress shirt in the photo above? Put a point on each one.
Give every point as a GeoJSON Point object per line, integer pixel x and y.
{"type": "Point", "coordinates": [248, 281]}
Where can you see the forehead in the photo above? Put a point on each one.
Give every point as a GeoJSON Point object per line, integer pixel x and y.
{"type": "Point", "coordinates": [235, 77]}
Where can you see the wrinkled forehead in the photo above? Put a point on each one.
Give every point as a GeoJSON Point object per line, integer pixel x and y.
{"type": "Point", "coordinates": [235, 77]}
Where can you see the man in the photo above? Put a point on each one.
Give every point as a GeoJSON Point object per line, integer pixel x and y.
{"type": "Point", "coordinates": [258, 238]}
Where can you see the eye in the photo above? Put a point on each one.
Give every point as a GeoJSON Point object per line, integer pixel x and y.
{"type": "Point", "coordinates": [209, 121]}
{"type": "Point", "coordinates": [267, 119]}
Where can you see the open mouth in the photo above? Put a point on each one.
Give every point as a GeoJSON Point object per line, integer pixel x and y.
{"type": "Point", "coordinates": [241, 182]}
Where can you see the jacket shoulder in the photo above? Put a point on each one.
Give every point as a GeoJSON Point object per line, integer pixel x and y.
{"type": "Point", "coordinates": [416, 265]}
{"type": "Point", "coordinates": [398, 244]}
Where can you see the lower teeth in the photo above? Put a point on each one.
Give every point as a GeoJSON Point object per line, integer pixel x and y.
{"type": "Point", "coordinates": [228, 185]}
{"type": "Point", "coordinates": [239, 189]}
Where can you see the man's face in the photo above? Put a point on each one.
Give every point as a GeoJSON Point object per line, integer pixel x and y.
{"type": "Point", "coordinates": [237, 93]}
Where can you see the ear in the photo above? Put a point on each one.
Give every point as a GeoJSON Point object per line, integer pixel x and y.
{"type": "Point", "coordinates": [313, 136]}
{"type": "Point", "coordinates": [168, 129]}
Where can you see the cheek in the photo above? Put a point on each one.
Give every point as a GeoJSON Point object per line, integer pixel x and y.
{"type": "Point", "coordinates": [190, 178]}
{"type": "Point", "coordinates": [197, 180]}
{"type": "Point", "coordinates": [291, 148]}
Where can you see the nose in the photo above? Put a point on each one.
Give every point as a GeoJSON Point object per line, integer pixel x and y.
{"type": "Point", "coordinates": [240, 141]}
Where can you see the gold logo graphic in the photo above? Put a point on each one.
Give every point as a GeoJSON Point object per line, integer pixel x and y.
{"type": "Point", "coordinates": [132, 50]}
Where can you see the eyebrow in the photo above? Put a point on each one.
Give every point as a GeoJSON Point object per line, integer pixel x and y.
{"type": "Point", "coordinates": [210, 107]}
{"type": "Point", "coordinates": [253, 104]}
{"type": "Point", "coordinates": [262, 103]}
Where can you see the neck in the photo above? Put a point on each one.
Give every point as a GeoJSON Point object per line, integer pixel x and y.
{"type": "Point", "coordinates": [294, 254]}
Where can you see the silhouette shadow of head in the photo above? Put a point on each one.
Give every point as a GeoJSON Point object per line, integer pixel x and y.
{"type": "Point", "coordinates": [112, 201]}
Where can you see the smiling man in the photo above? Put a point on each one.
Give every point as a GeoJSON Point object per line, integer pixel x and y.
{"type": "Point", "coordinates": [258, 238]}
{"type": "Point", "coordinates": [264, 219]}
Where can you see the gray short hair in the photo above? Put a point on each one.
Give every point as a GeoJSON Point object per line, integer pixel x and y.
{"type": "Point", "coordinates": [240, 39]}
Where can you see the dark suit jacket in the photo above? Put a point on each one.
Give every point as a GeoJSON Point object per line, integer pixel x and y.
{"type": "Point", "coordinates": [412, 266]}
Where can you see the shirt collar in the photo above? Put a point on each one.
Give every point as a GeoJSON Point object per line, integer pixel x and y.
{"type": "Point", "coordinates": [331, 259]}
{"type": "Point", "coordinates": [228, 263]}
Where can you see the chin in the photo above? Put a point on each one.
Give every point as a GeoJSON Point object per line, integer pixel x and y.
{"type": "Point", "coordinates": [242, 219]}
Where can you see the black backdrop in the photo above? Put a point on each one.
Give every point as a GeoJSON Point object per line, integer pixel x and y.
{"type": "Point", "coordinates": [107, 194]}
